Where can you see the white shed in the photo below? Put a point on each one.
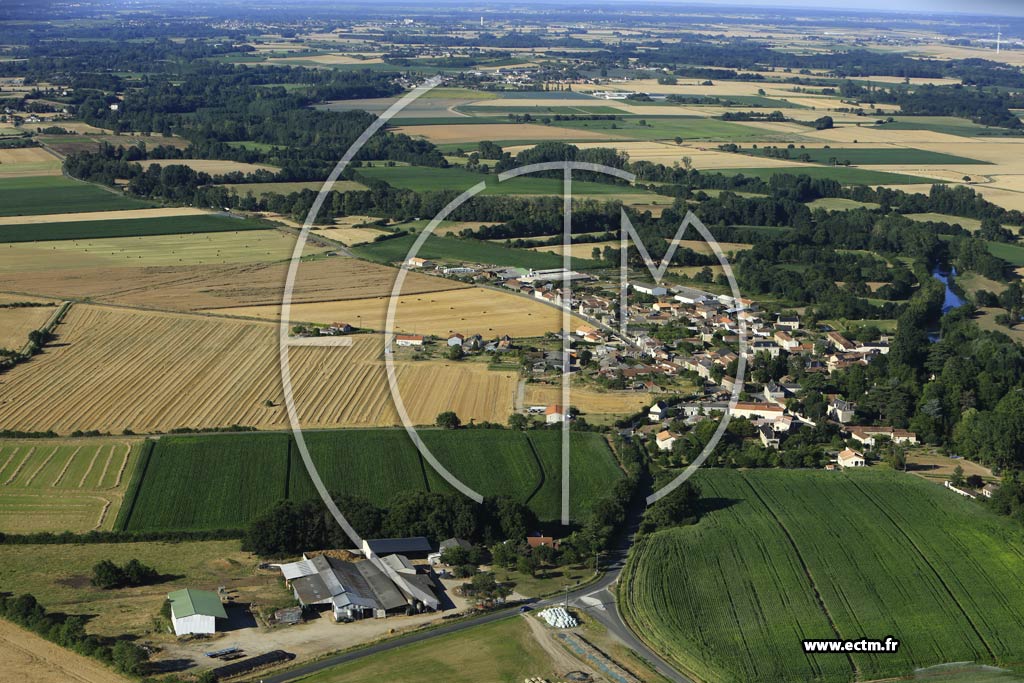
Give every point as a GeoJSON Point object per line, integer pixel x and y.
{"type": "Point", "coordinates": [194, 611]}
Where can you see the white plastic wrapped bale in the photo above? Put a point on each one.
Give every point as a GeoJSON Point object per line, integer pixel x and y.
{"type": "Point", "coordinates": [557, 617]}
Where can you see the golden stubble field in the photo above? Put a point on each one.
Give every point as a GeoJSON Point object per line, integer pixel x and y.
{"type": "Point", "coordinates": [28, 161]}
{"type": "Point", "coordinates": [470, 311]}
{"type": "Point", "coordinates": [211, 166]}
{"type": "Point", "coordinates": [16, 323]}
{"type": "Point", "coordinates": [115, 369]}
{"type": "Point", "coordinates": [27, 658]}
{"type": "Point", "coordinates": [190, 288]}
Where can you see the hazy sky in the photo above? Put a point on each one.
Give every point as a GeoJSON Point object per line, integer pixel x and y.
{"type": "Point", "coordinates": [1006, 7]}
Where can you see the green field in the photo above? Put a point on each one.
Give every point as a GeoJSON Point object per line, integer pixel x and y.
{"type": "Point", "coordinates": [842, 174]}
{"type": "Point", "coordinates": [500, 652]}
{"type": "Point", "coordinates": [39, 195]}
{"type": "Point", "coordinates": [464, 250]}
{"type": "Point", "coordinates": [1011, 253]}
{"type": "Point", "coordinates": [787, 555]}
{"type": "Point", "coordinates": [63, 485]}
{"type": "Point", "coordinates": [426, 179]}
{"type": "Point", "coordinates": [668, 128]}
{"type": "Point", "coordinates": [950, 125]}
{"type": "Point", "coordinates": [218, 482]}
{"type": "Point", "coordinates": [868, 156]}
{"type": "Point", "coordinates": [224, 481]}
{"type": "Point", "coordinates": [129, 227]}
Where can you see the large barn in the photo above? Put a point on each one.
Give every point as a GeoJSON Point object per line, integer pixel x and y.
{"type": "Point", "coordinates": [194, 611]}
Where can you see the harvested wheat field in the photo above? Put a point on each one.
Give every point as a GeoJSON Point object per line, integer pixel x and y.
{"type": "Point", "coordinates": [16, 323]}
{"type": "Point", "coordinates": [244, 246]}
{"type": "Point", "coordinates": [350, 236]}
{"type": "Point", "coordinates": [27, 658]}
{"type": "Point", "coordinates": [190, 288]}
{"type": "Point", "coordinates": [116, 369]}
{"type": "Point", "coordinates": [130, 214]}
{"type": "Point", "coordinates": [470, 311]}
{"type": "Point", "coordinates": [580, 250]}
{"type": "Point", "coordinates": [27, 161]}
{"type": "Point", "coordinates": [211, 166]}
{"type": "Point", "coordinates": [588, 400]}
{"type": "Point", "coordinates": [440, 134]}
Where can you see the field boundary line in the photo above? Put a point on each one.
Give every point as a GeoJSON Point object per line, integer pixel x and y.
{"type": "Point", "coordinates": [28, 482]}
{"type": "Point", "coordinates": [806, 570]}
{"type": "Point", "coordinates": [927, 562]}
{"type": "Point", "coordinates": [103, 512]}
{"type": "Point", "coordinates": [17, 470]}
{"type": "Point", "coordinates": [124, 466]}
{"type": "Point", "coordinates": [67, 466]}
{"type": "Point", "coordinates": [106, 466]}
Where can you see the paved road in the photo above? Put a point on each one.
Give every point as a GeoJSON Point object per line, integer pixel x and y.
{"type": "Point", "coordinates": [596, 599]}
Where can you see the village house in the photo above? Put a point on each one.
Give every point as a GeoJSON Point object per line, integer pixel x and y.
{"type": "Point", "coordinates": [417, 262]}
{"type": "Point", "coordinates": [769, 439]}
{"type": "Point", "coordinates": [665, 439]}
{"type": "Point", "coordinates": [850, 458]}
{"type": "Point", "coordinates": [840, 343]}
{"type": "Point", "coordinates": [842, 410]}
{"type": "Point", "coordinates": [869, 436]}
{"type": "Point", "coordinates": [788, 322]}
{"type": "Point", "coordinates": [768, 411]}
{"type": "Point", "coordinates": [658, 412]}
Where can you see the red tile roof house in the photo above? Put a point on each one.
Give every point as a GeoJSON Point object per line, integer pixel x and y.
{"type": "Point", "coordinates": [409, 339]}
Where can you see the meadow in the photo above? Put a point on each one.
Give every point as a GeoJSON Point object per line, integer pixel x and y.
{"type": "Point", "coordinates": [426, 179]}
{"type": "Point", "coordinates": [133, 227]}
{"type": "Point", "coordinates": [949, 125]}
{"type": "Point", "coordinates": [224, 481]}
{"type": "Point", "coordinates": [63, 485]}
{"type": "Point", "coordinates": [779, 556]}
{"type": "Point", "coordinates": [35, 195]}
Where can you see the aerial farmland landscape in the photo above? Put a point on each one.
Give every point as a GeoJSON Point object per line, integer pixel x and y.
{"type": "Point", "coordinates": [512, 343]}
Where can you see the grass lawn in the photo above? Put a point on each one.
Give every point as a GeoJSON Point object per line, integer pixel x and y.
{"type": "Point", "coordinates": [782, 555]}
{"type": "Point", "coordinates": [426, 179]}
{"type": "Point", "coordinates": [501, 652]}
{"type": "Point", "coordinates": [39, 195]}
{"type": "Point", "coordinates": [842, 174]}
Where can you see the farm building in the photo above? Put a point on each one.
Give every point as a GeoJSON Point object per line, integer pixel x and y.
{"type": "Point", "coordinates": [417, 262]}
{"type": "Point", "coordinates": [409, 339]}
{"type": "Point", "coordinates": [435, 558]}
{"type": "Point", "coordinates": [555, 413]}
{"type": "Point", "coordinates": [374, 587]}
{"type": "Point", "coordinates": [195, 611]}
{"type": "Point", "coordinates": [456, 339]}
{"type": "Point", "coordinates": [649, 289]}
{"type": "Point", "coordinates": [769, 411]}
{"type": "Point", "coordinates": [850, 458]}
{"type": "Point", "coordinates": [415, 547]}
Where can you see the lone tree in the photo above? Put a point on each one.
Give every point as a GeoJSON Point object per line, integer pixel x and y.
{"type": "Point", "coordinates": [448, 420]}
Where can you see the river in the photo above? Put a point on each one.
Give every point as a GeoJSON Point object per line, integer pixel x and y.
{"type": "Point", "coordinates": [952, 299]}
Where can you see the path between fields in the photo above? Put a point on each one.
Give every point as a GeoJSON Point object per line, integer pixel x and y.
{"type": "Point", "coordinates": [563, 661]}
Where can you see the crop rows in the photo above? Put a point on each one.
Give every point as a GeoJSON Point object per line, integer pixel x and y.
{"type": "Point", "coordinates": [224, 481]}
{"type": "Point", "coordinates": [782, 556]}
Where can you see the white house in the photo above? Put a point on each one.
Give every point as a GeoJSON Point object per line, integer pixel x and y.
{"type": "Point", "coordinates": [555, 413]}
{"type": "Point", "coordinates": [665, 439]}
{"type": "Point", "coordinates": [658, 412]}
{"type": "Point", "coordinates": [417, 262]}
{"type": "Point", "coordinates": [850, 458]}
{"type": "Point", "coordinates": [194, 611]}
{"type": "Point", "coordinates": [456, 340]}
